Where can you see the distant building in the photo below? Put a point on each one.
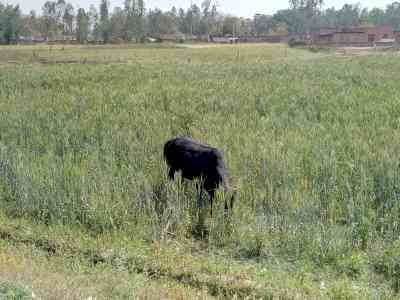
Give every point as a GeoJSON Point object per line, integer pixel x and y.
{"type": "Point", "coordinates": [397, 35]}
{"type": "Point", "coordinates": [386, 43]}
{"type": "Point", "coordinates": [375, 34]}
{"type": "Point", "coordinates": [344, 37]}
{"type": "Point", "coordinates": [358, 36]}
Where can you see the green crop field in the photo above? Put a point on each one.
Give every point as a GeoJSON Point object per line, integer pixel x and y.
{"type": "Point", "coordinates": [311, 140]}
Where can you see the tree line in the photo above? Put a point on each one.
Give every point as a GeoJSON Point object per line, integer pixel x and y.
{"type": "Point", "coordinates": [60, 20]}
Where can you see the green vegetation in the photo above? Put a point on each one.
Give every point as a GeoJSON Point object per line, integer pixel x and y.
{"type": "Point", "coordinates": [136, 21]}
{"type": "Point", "coordinates": [310, 139]}
{"type": "Point", "coordinates": [15, 292]}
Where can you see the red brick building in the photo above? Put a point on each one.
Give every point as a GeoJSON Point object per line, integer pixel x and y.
{"type": "Point", "coordinates": [375, 34]}
{"type": "Point", "coordinates": [344, 37]}
{"type": "Point", "coordinates": [358, 36]}
{"type": "Point", "coordinates": [397, 35]}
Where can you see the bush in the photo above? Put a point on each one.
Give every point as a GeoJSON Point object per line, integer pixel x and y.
{"type": "Point", "coordinates": [12, 291]}
{"type": "Point", "coordinates": [386, 261]}
{"type": "Point", "coordinates": [296, 43]}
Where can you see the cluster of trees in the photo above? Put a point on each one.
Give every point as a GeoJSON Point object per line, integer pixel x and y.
{"type": "Point", "coordinates": [132, 22]}
{"type": "Point", "coordinates": [10, 23]}
{"type": "Point", "coordinates": [306, 15]}
{"type": "Point", "coordinates": [354, 15]}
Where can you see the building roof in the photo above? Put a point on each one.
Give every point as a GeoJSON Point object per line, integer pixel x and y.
{"type": "Point", "coordinates": [341, 32]}
{"type": "Point", "coordinates": [361, 29]}
{"type": "Point", "coordinates": [351, 30]}
{"type": "Point", "coordinates": [386, 41]}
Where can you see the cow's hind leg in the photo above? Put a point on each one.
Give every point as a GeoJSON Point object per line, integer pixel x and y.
{"type": "Point", "coordinates": [171, 173]}
{"type": "Point", "coordinates": [200, 229]}
{"type": "Point", "coordinates": [210, 186]}
{"type": "Point", "coordinates": [211, 193]}
{"type": "Point", "coordinates": [226, 206]}
{"type": "Point", "coordinates": [199, 196]}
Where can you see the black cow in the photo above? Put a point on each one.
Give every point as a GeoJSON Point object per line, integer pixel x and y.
{"type": "Point", "coordinates": [201, 161]}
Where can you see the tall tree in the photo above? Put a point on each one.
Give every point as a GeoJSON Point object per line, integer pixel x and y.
{"type": "Point", "coordinates": [31, 25]}
{"type": "Point", "coordinates": [141, 14]}
{"type": "Point", "coordinates": [160, 23]}
{"type": "Point", "coordinates": [376, 16]}
{"type": "Point", "coordinates": [134, 19]}
{"type": "Point", "coordinates": [49, 19]}
{"type": "Point", "coordinates": [305, 13]}
{"type": "Point", "coordinates": [94, 23]}
{"type": "Point", "coordinates": [230, 25]}
{"type": "Point", "coordinates": [182, 24]}
{"type": "Point", "coordinates": [349, 15]}
{"type": "Point", "coordinates": [104, 21]}
{"type": "Point", "coordinates": [392, 15]}
{"type": "Point", "coordinates": [262, 24]}
{"type": "Point", "coordinates": [295, 21]}
{"type": "Point", "coordinates": [214, 23]}
{"type": "Point", "coordinates": [117, 24]}
{"type": "Point", "coordinates": [193, 19]}
{"type": "Point", "coordinates": [68, 19]}
{"type": "Point", "coordinates": [364, 14]}
{"type": "Point", "coordinates": [205, 23]}
{"type": "Point", "coordinates": [10, 23]}
{"type": "Point", "coordinates": [82, 26]}
{"type": "Point", "coordinates": [175, 18]}
{"type": "Point", "coordinates": [129, 19]}
{"type": "Point", "coordinates": [60, 7]}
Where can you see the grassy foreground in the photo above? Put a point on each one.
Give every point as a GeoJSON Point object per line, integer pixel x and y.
{"type": "Point", "coordinates": [311, 141]}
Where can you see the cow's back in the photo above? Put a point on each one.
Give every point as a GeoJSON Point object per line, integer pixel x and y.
{"type": "Point", "coordinates": [193, 157]}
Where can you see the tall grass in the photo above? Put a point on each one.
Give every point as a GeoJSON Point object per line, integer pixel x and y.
{"type": "Point", "coordinates": [312, 145]}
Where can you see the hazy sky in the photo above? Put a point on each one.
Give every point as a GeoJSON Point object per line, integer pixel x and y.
{"type": "Point", "coordinates": [245, 8]}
